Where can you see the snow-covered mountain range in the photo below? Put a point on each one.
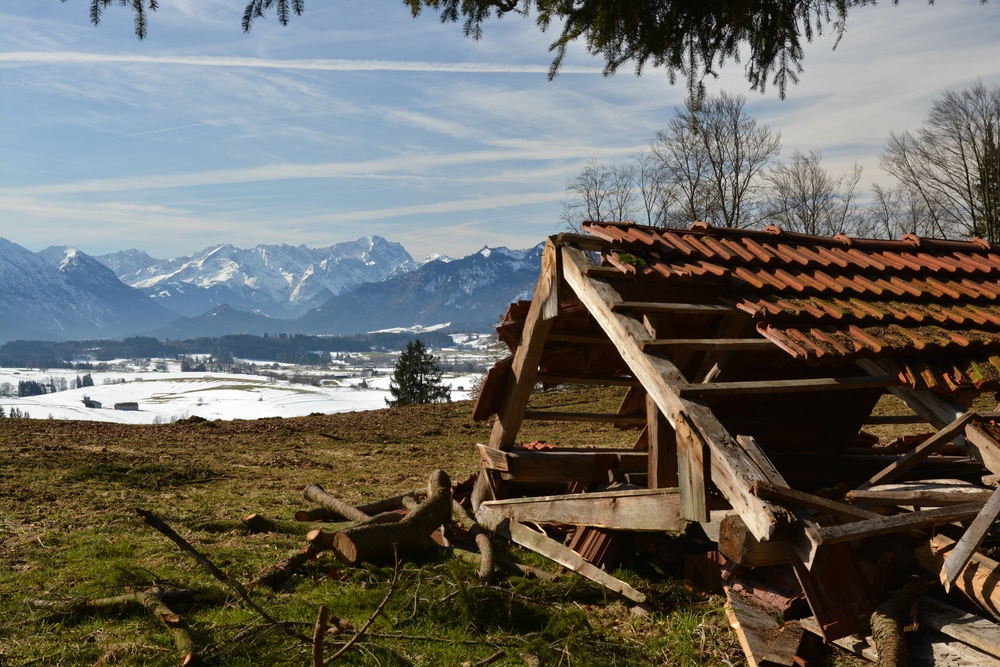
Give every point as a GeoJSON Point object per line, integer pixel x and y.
{"type": "Point", "coordinates": [355, 287]}
{"type": "Point", "coordinates": [280, 281]}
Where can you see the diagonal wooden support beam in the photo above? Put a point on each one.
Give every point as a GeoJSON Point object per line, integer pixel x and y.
{"type": "Point", "coordinates": [560, 553]}
{"type": "Point", "coordinates": [933, 444]}
{"type": "Point", "coordinates": [973, 537]}
{"type": "Point", "coordinates": [731, 470]}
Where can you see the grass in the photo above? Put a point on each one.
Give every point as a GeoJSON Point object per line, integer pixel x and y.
{"type": "Point", "coordinates": [68, 532]}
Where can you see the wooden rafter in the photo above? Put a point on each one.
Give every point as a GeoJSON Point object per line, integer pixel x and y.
{"type": "Point", "coordinates": [731, 471]}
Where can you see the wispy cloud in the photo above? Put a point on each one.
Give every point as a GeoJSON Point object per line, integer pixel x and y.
{"type": "Point", "coordinates": [320, 65]}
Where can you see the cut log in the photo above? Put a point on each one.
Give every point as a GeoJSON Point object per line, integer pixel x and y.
{"type": "Point", "coordinates": [411, 535]}
{"type": "Point", "coordinates": [889, 620]}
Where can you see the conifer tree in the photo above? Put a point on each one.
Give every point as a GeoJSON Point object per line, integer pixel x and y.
{"type": "Point", "coordinates": [416, 378]}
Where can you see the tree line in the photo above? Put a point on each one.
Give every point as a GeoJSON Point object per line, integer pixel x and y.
{"type": "Point", "coordinates": [283, 348]}
{"type": "Point", "coordinates": [715, 163]}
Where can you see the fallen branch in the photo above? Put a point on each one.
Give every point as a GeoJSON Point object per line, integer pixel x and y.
{"type": "Point", "coordinates": [315, 493]}
{"type": "Point", "coordinates": [252, 524]}
{"type": "Point", "coordinates": [319, 631]}
{"type": "Point", "coordinates": [161, 526]}
{"type": "Point", "coordinates": [152, 601]}
{"type": "Point", "coordinates": [510, 567]}
{"type": "Point", "coordinates": [483, 543]}
{"type": "Point", "coordinates": [378, 507]}
{"type": "Point", "coordinates": [371, 619]}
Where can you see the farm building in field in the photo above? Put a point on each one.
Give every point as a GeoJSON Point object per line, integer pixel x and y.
{"type": "Point", "coordinates": [753, 361]}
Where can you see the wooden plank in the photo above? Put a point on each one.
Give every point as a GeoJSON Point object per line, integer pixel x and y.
{"type": "Point", "coordinates": [604, 380]}
{"type": "Point", "coordinates": [983, 447]}
{"type": "Point", "coordinates": [546, 546]}
{"type": "Point", "coordinates": [731, 472]}
{"type": "Point", "coordinates": [970, 629]}
{"type": "Point", "coordinates": [592, 417]}
{"type": "Point", "coordinates": [787, 386]}
{"type": "Point", "coordinates": [490, 399]}
{"type": "Point", "coordinates": [764, 642]}
{"type": "Point", "coordinates": [707, 344]}
{"type": "Point", "coordinates": [920, 497]}
{"type": "Point", "coordinates": [837, 591]}
{"type": "Point", "coordinates": [809, 501]}
{"type": "Point", "coordinates": [933, 444]}
{"type": "Point", "coordinates": [597, 338]}
{"type": "Point", "coordinates": [640, 510]}
{"type": "Point", "coordinates": [693, 471]}
{"type": "Point", "coordinates": [887, 525]}
{"type": "Point", "coordinates": [561, 465]}
{"type": "Point", "coordinates": [675, 308]}
{"type": "Point", "coordinates": [970, 541]}
{"type": "Point", "coordinates": [979, 582]}
{"type": "Point", "coordinates": [662, 447]}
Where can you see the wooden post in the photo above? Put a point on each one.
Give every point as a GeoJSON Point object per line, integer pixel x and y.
{"type": "Point", "coordinates": [693, 471]}
{"type": "Point", "coordinates": [662, 447]}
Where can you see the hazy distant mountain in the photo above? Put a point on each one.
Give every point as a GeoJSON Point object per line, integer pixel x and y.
{"type": "Point", "coordinates": [471, 294]}
{"type": "Point", "coordinates": [280, 281]}
{"type": "Point", "coordinates": [61, 293]}
{"type": "Point", "coordinates": [221, 321]}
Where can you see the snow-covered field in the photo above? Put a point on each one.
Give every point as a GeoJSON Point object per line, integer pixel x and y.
{"type": "Point", "coordinates": [167, 396]}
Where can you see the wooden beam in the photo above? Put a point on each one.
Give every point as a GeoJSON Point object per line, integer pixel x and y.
{"type": "Point", "coordinates": [937, 409]}
{"type": "Point", "coordinates": [707, 344]}
{"type": "Point", "coordinates": [597, 338]}
{"type": "Point", "coordinates": [787, 386]}
{"type": "Point", "coordinates": [604, 380]}
{"type": "Point", "coordinates": [919, 497]}
{"type": "Point", "coordinates": [933, 444]}
{"type": "Point", "coordinates": [731, 472]}
{"type": "Point", "coordinates": [749, 445]}
{"type": "Point", "coordinates": [662, 447]}
{"type": "Point", "coordinates": [542, 314]}
{"type": "Point", "coordinates": [764, 642]}
{"type": "Point", "coordinates": [539, 320]}
{"type": "Point", "coordinates": [970, 541]}
{"type": "Point", "coordinates": [675, 308]}
{"type": "Point", "coordinates": [809, 501]}
{"type": "Point", "coordinates": [981, 445]}
{"type": "Point", "coordinates": [546, 546]}
{"type": "Point", "coordinates": [739, 545]}
{"type": "Point", "coordinates": [886, 525]}
{"type": "Point", "coordinates": [561, 465]}
{"type": "Point", "coordinates": [546, 415]}
{"type": "Point", "coordinates": [879, 420]}
{"type": "Point", "coordinates": [641, 510]}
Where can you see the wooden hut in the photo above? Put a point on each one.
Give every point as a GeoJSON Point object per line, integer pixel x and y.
{"type": "Point", "coordinates": [753, 359]}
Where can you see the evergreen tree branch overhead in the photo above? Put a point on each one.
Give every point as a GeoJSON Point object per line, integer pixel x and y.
{"type": "Point", "coordinates": [691, 38]}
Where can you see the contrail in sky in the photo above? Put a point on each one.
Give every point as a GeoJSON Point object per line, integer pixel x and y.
{"type": "Point", "coordinates": [329, 65]}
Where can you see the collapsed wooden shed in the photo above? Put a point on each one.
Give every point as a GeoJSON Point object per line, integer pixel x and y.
{"type": "Point", "coordinates": [753, 359]}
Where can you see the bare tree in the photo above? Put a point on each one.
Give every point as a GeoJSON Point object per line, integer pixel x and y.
{"type": "Point", "coordinates": [602, 193]}
{"type": "Point", "coordinates": [952, 162]}
{"type": "Point", "coordinates": [804, 197]}
{"type": "Point", "coordinates": [655, 192]}
{"type": "Point", "coordinates": [715, 154]}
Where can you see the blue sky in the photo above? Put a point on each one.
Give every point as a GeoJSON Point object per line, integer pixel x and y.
{"type": "Point", "coordinates": [357, 119]}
